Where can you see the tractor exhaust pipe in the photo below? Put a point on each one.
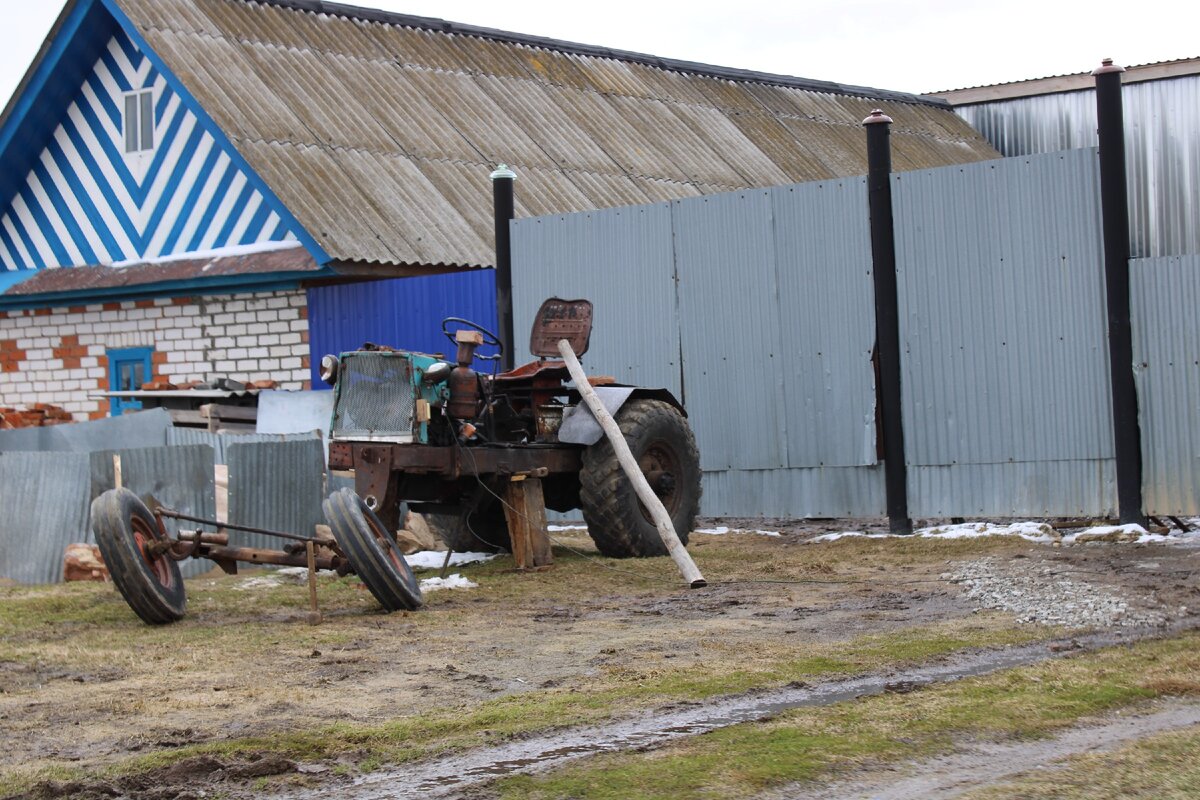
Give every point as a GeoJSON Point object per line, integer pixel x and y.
{"type": "Point", "coordinates": [503, 179]}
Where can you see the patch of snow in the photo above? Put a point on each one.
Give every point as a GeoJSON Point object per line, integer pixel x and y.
{"type": "Point", "coordinates": [1190, 538]}
{"type": "Point", "coordinates": [200, 255]}
{"type": "Point", "coordinates": [433, 559]}
{"type": "Point", "coordinates": [1038, 532]}
{"type": "Point", "coordinates": [281, 576]}
{"type": "Point", "coordinates": [833, 537]}
{"type": "Point", "coordinates": [1126, 531]}
{"type": "Point", "coordinates": [454, 581]}
{"type": "Point", "coordinates": [1032, 531]}
{"type": "Point", "coordinates": [558, 528]}
{"type": "Point", "coordinates": [721, 530]}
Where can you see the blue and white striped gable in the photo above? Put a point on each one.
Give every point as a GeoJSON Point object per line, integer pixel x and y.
{"type": "Point", "coordinates": [86, 199]}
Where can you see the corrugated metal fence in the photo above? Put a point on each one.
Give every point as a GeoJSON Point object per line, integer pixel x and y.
{"type": "Point", "coordinates": [275, 482]}
{"type": "Point", "coordinates": [757, 308]}
{"type": "Point", "coordinates": [1162, 143]}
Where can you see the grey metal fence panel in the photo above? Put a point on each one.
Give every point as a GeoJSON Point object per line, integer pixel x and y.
{"type": "Point", "coordinates": [1017, 489]}
{"type": "Point", "coordinates": [220, 442]}
{"type": "Point", "coordinates": [621, 260]}
{"type": "Point", "coordinates": [143, 429]}
{"type": "Point", "coordinates": [45, 501]}
{"type": "Point", "coordinates": [733, 355]}
{"type": "Point", "coordinates": [275, 485]}
{"type": "Point", "coordinates": [178, 477]}
{"type": "Point", "coordinates": [33, 440]}
{"type": "Point", "coordinates": [1166, 341]}
{"type": "Point", "coordinates": [820, 492]}
{"type": "Point", "coordinates": [1002, 312]}
{"type": "Point", "coordinates": [827, 322]}
{"type": "Point", "coordinates": [1162, 142]}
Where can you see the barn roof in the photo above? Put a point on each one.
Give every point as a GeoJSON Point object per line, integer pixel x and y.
{"type": "Point", "coordinates": [378, 130]}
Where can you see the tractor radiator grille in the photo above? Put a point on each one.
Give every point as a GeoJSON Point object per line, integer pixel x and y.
{"type": "Point", "coordinates": [375, 397]}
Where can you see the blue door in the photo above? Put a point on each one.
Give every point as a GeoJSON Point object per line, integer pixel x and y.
{"type": "Point", "coordinates": [128, 369]}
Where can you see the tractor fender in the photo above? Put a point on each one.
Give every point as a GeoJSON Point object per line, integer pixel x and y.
{"type": "Point", "coordinates": [579, 426]}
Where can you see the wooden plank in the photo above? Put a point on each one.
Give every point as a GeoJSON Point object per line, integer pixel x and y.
{"type": "Point", "coordinates": [525, 511]}
{"type": "Point", "coordinates": [186, 417]}
{"type": "Point", "coordinates": [235, 413]}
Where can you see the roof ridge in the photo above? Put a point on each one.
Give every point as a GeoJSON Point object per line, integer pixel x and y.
{"type": "Point", "coordinates": [596, 51]}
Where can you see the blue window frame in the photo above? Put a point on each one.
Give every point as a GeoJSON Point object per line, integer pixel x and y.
{"type": "Point", "coordinates": [128, 369]}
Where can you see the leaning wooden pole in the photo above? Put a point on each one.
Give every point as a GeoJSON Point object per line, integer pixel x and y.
{"type": "Point", "coordinates": [662, 520]}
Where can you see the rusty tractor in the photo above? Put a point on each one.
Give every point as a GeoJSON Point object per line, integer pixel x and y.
{"type": "Point", "coordinates": [481, 454]}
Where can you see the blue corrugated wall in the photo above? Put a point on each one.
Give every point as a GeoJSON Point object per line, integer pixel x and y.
{"type": "Point", "coordinates": [403, 312]}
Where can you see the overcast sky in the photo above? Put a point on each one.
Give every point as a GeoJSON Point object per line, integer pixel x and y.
{"type": "Point", "coordinates": [914, 46]}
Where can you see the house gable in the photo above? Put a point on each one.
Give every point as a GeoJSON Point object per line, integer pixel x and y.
{"type": "Point", "coordinates": [113, 161]}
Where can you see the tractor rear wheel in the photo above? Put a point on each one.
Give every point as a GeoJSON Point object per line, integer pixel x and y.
{"type": "Point", "coordinates": [664, 447]}
{"type": "Point", "coordinates": [372, 551]}
{"type": "Point", "coordinates": [150, 582]}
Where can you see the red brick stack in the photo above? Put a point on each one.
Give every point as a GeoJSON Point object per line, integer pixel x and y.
{"type": "Point", "coordinates": [39, 415]}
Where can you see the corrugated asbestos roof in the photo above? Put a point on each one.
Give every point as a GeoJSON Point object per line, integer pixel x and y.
{"type": "Point", "coordinates": [378, 131]}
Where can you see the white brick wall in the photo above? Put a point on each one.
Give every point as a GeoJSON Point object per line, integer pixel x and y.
{"type": "Point", "coordinates": [59, 356]}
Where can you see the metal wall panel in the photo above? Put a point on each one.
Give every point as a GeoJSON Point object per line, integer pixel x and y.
{"type": "Point", "coordinates": [402, 312]}
{"type": "Point", "coordinates": [143, 429]}
{"type": "Point", "coordinates": [1002, 313]}
{"type": "Point", "coordinates": [733, 355]}
{"type": "Point", "coordinates": [221, 442]}
{"type": "Point", "coordinates": [820, 492]}
{"type": "Point", "coordinates": [826, 311]}
{"type": "Point", "coordinates": [277, 486]}
{"type": "Point", "coordinates": [620, 259]}
{"type": "Point", "coordinates": [1166, 354]}
{"type": "Point", "coordinates": [1162, 141]}
{"type": "Point", "coordinates": [1018, 489]}
{"type": "Point", "coordinates": [45, 501]}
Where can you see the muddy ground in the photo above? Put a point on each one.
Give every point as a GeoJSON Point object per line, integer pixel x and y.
{"type": "Point", "coordinates": [93, 703]}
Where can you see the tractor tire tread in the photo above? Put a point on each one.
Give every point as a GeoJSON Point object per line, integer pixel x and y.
{"type": "Point", "coordinates": [396, 590]}
{"type": "Point", "coordinates": [610, 506]}
{"type": "Point", "coordinates": [111, 516]}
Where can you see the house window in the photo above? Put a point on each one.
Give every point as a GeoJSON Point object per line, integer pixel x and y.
{"type": "Point", "coordinates": [128, 369]}
{"type": "Point", "coordinates": [139, 121]}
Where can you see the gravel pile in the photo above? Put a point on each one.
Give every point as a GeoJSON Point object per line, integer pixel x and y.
{"type": "Point", "coordinates": [1049, 597]}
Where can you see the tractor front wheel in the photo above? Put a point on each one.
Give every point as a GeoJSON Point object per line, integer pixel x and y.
{"type": "Point", "coordinates": [663, 445]}
{"type": "Point", "coordinates": [147, 578]}
{"type": "Point", "coordinates": [372, 551]}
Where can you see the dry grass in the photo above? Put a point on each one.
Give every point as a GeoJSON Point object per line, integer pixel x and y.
{"type": "Point", "coordinates": [812, 744]}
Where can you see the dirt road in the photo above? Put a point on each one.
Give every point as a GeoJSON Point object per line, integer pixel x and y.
{"type": "Point", "coordinates": [242, 697]}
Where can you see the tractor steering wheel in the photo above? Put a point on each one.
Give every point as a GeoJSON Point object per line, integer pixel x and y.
{"type": "Point", "coordinates": [489, 338]}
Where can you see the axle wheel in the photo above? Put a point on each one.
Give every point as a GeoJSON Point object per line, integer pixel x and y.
{"type": "Point", "coordinates": [149, 581]}
{"type": "Point", "coordinates": [372, 551]}
{"type": "Point", "coordinates": [665, 449]}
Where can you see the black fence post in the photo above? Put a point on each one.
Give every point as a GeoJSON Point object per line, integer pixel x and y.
{"type": "Point", "coordinates": [502, 200]}
{"type": "Point", "coordinates": [1114, 208]}
{"type": "Point", "coordinates": [887, 316]}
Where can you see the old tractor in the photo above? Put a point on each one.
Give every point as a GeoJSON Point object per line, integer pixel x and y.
{"type": "Point", "coordinates": [474, 451]}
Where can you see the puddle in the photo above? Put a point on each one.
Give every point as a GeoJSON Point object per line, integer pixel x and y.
{"type": "Point", "coordinates": [446, 777]}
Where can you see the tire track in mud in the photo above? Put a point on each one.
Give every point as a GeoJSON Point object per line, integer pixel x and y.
{"type": "Point", "coordinates": [449, 776]}
{"type": "Point", "coordinates": [984, 765]}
